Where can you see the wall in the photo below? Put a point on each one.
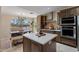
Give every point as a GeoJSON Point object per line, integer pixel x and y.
{"type": "Point", "coordinates": [38, 23]}
{"type": "Point", "coordinates": [35, 25]}
{"type": "Point", "coordinates": [0, 18]}
{"type": "Point", "coordinates": [5, 31]}
{"type": "Point", "coordinates": [0, 25]}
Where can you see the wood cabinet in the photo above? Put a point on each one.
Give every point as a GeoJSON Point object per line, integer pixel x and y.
{"type": "Point", "coordinates": [41, 20]}
{"type": "Point", "coordinates": [74, 11]}
{"type": "Point", "coordinates": [33, 46]}
{"type": "Point", "coordinates": [49, 47]}
{"type": "Point", "coordinates": [27, 44]}
{"type": "Point", "coordinates": [69, 12]}
{"type": "Point", "coordinates": [67, 41]}
{"type": "Point", "coordinates": [62, 13]}
{"type": "Point", "coordinates": [58, 37]}
{"type": "Point", "coordinates": [45, 19]}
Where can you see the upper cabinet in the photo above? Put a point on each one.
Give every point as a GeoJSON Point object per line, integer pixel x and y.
{"type": "Point", "coordinates": [69, 12]}
{"type": "Point", "coordinates": [48, 21]}
{"type": "Point", "coordinates": [41, 21]}
{"type": "Point", "coordinates": [45, 19]}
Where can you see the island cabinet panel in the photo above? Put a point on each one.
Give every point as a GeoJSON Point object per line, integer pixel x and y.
{"type": "Point", "coordinates": [58, 37]}
{"type": "Point", "coordinates": [36, 47]}
{"type": "Point", "coordinates": [31, 46]}
{"type": "Point", "coordinates": [26, 45]}
{"type": "Point", "coordinates": [50, 46]}
{"type": "Point", "coordinates": [33, 43]}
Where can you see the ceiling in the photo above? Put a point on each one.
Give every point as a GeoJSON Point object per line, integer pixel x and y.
{"type": "Point", "coordinates": [31, 11]}
{"type": "Point", "coordinates": [44, 9]}
{"type": "Point", "coordinates": [17, 11]}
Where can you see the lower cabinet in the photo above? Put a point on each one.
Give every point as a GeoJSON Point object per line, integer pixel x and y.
{"type": "Point", "coordinates": [32, 46]}
{"type": "Point", "coordinates": [63, 40]}
{"type": "Point", "coordinates": [68, 41]}
{"type": "Point", "coordinates": [49, 47]}
{"type": "Point", "coordinates": [58, 37]}
{"type": "Point", "coordinates": [35, 47]}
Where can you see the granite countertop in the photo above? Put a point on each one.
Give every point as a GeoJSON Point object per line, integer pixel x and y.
{"type": "Point", "coordinates": [19, 31]}
{"type": "Point", "coordinates": [41, 40]}
{"type": "Point", "coordinates": [51, 30]}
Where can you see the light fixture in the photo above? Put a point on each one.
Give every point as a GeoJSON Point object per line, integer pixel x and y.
{"type": "Point", "coordinates": [23, 14]}
{"type": "Point", "coordinates": [48, 8]}
{"type": "Point", "coordinates": [31, 13]}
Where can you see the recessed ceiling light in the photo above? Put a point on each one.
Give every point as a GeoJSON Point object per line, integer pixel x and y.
{"type": "Point", "coordinates": [48, 8]}
{"type": "Point", "coordinates": [23, 13]}
{"type": "Point", "coordinates": [31, 13]}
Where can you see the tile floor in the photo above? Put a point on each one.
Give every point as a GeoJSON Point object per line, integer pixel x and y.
{"type": "Point", "coordinates": [18, 48]}
{"type": "Point", "coordinates": [65, 48]}
{"type": "Point", "coordinates": [60, 48]}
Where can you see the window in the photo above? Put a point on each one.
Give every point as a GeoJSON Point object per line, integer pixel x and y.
{"type": "Point", "coordinates": [26, 22]}
{"type": "Point", "coordinates": [14, 21]}
{"type": "Point", "coordinates": [21, 21]}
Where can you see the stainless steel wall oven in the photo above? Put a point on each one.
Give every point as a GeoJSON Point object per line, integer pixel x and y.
{"type": "Point", "coordinates": [68, 31]}
{"type": "Point", "coordinates": [69, 27]}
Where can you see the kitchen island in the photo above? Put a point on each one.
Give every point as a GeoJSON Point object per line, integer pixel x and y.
{"type": "Point", "coordinates": [34, 43]}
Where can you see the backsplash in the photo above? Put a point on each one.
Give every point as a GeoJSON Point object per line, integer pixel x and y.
{"type": "Point", "coordinates": [53, 26]}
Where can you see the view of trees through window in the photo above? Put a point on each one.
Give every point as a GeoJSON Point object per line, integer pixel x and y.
{"type": "Point", "coordinates": [21, 21]}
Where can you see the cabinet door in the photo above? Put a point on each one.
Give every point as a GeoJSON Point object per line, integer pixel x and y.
{"type": "Point", "coordinates": [50, 46]}
{"type": "Point", "coordinates": [43, 21]}
{"type": "Point", "coordinates": [35, 47]}
{"type": "Point", "coordinates": [69, 12]}
{"type": "Point", "coordinates": [63, 13]}
{"type": "Point", "coordinates": [26, 45]}
{"type": "Point", "coordinates": [73, 12]}
{"type": "Point", "coordinates": [67, 41]}
{"type": "Point", "coordinates": [58, 37]}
